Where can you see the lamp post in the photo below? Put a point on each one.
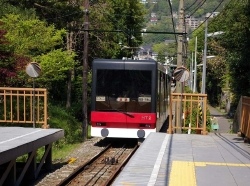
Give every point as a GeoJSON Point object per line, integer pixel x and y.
{"type": "Point", "coordinates": [199, 65]}
{"type": "Point", "coordinates": [33, 69]}
{"type": "Point", "coordinates": [203, 89]}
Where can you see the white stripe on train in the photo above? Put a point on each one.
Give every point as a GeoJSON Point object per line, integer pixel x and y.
{"type": "Point", "coordinates": [120, 132]}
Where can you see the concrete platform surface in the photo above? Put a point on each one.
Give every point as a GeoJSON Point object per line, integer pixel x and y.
{"type": "Point", "coordinates": [17, 141]}
{"type": "Point", "coordinates": [189, 160]}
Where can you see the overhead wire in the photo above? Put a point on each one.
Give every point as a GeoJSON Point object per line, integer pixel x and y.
{"type": "Point", "coordinates": [171, 10]}
{"type": "Point", "coordinates": [207, 17]}
{"type": "Point", "coordinates": [190, 5]}
{"type": "Point", "coordinates": [223, 12]}
{"type": "Point", "coordinates": [200, 4]}
{"type": "Point", "coordinates": [117, 23]}
{"type": "Point", "coordinates": [185, 40]}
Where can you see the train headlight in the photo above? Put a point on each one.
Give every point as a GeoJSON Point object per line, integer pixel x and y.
{"type": "Point", "coordinates": [100, 124]}
{"type": "Point", "coordinates": [145, 125]}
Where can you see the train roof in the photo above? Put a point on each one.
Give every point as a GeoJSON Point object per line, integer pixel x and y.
{"type": "Point", "coordinates": [128, 64]}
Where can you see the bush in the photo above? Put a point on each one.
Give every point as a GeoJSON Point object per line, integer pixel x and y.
{"type": "Point", "coordinates": [61, 118]}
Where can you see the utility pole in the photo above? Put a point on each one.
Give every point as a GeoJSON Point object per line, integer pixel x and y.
{"type": "Point", "coordinates": [179, 85]}
{"type": "Point", "coordinates": [85, 71]}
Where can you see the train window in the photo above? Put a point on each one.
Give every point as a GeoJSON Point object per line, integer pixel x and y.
{"type": "Point", "coordinates": [126, 90]}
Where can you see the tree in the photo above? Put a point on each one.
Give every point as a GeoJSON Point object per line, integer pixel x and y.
{"type": "Point", "coordinates": [116, 22]}
{"type": "Point", "coordinates": [55, 65]}
{"type": "Point", "coordinates": [34, 39]}
{"type": "Point", "coordinates": [31, 37]}
{"type": "Point", "coordinates": [234, 21]}
{"type": "Point", "coordinates": [163, 25]}
{"type": "Point", "coordinates": [9, 62]}
{"type": "Point", "coordinates": [56, 12]}
{"type": "Point", "coordinates": [44, 41]}
{"type": "Point", "coordinates": [216, 75]}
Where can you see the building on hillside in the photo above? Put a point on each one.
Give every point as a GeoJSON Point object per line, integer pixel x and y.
{"type": "Point", "coordinates": [213, 14]}
{"type": "Point", "coordinates": [154, 55]}
{"type": "Point", "coordinates": [145, 52]}
{"type": "Point", "coordinates": [175, 15]}
{"type": "Point", "coordinates": [153, 18]}
{"type": "Point", "coordinates": [143, 30]}
{"type": "Point", "coordinates": [143, 1]}
{"type": "Point", "coordinates": [169, 41]}
{"type": "Point", "coordinates": [192, 22]}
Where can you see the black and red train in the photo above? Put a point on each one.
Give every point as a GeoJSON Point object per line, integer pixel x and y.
{"type": "Point", "coordinates": [129, 97]}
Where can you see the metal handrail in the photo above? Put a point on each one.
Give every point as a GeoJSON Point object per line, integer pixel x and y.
{"type": "Point", "coordinates": [16, 105]}
{"type": "Point", "coordinates": [193, 116]}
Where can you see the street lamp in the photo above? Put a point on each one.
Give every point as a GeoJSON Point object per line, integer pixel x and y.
{"type": "Point", "coordinates": [205, 56]}
{"type": "Point", "coordinates": [203, 76]}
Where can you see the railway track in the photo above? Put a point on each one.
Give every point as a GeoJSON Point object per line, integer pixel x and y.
{"type": "Point", "coordinates": [102, 169]}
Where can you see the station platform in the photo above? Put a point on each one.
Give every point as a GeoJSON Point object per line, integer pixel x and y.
{"type": "Point", "coordinates": [188, 160]}
{"type": "Point", "coordinates": [18, 141]}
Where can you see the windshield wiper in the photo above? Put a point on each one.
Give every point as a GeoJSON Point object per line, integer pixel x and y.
{"type": "Point", "coordinates": [117, 110]}
{"type": "Point", "coordinates": [130, 115]}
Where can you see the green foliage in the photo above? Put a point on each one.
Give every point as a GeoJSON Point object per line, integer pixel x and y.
{"type": "Point", "coordinates": [164, 25]}
{"type": "Point", "coordinates": [195, 114]}
{"type": "Point", "coordinates": [7, 64]}
{"type": "Point", "coordinates": [191, 6]}
{"type": "Point", "coordinates": [37, 40]}
{"type": "Point", "coordinates": [160, 47]}
{"type": "Point", "coordinates": [234, 21]}
{"type": "Point", "coordinates": [31, 37]}
{"type": "Point", "coordinates": [60, 118]}
{"type": "Point", "coordinates": [7, 8]}
{"type": "Point", "coordinates": [55, 66]}
{"type": "Point", "coordinates": [125, 16]}
{"type": "Point", "coordinates": [56, 12]}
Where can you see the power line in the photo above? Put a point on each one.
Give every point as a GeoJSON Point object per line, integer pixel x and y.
{"type": "Point", "coordinates": [171, 10]}
{"type": "Point", "coordinates": [190, 5]}
{"type": "Point", "coordinates": [146, 32]}
{"type": "Point", "coordinates": [200, 4]}
{"type": "Point", "coordinates": [116, 23]}
{"type": "Point", "coordinates": [223, 11]}
{"type": "Point", "coordinates": [207, 17]}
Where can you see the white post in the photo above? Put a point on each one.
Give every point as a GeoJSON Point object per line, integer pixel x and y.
{"type": "Point", "coordinates": [189, 130]}
{"type": "Point", "coordinates": [203, 91]}
{"type": "Point", "coordinates": [195, 65]}
{"type": "Point", "coordinates": [34, 99]}
{"type": "Point", "coordinates": [191, 72]}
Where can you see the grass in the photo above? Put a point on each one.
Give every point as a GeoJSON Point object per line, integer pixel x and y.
{"type": "Point", "coordinates": [67, 148]}
{"type": "Point", "coordinates": [58, 154]}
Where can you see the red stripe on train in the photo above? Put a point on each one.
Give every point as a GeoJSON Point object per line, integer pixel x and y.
{"type": "Point", "coordinates": [123, 120]}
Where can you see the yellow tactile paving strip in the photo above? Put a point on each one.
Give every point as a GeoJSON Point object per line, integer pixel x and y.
{"type": "Point", "coordinates": [183, 172]}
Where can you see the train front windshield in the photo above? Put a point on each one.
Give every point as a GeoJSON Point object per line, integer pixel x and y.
{"type": "Point", "coordinates": [123, 90]}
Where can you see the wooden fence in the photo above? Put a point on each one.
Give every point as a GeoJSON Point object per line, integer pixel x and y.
{"type": "Point", "coordinates": [242, 117]}
{"type": "Point", "coordinates": [193, 116]}
{"type": "Point", "coordinates": [23, 106]}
